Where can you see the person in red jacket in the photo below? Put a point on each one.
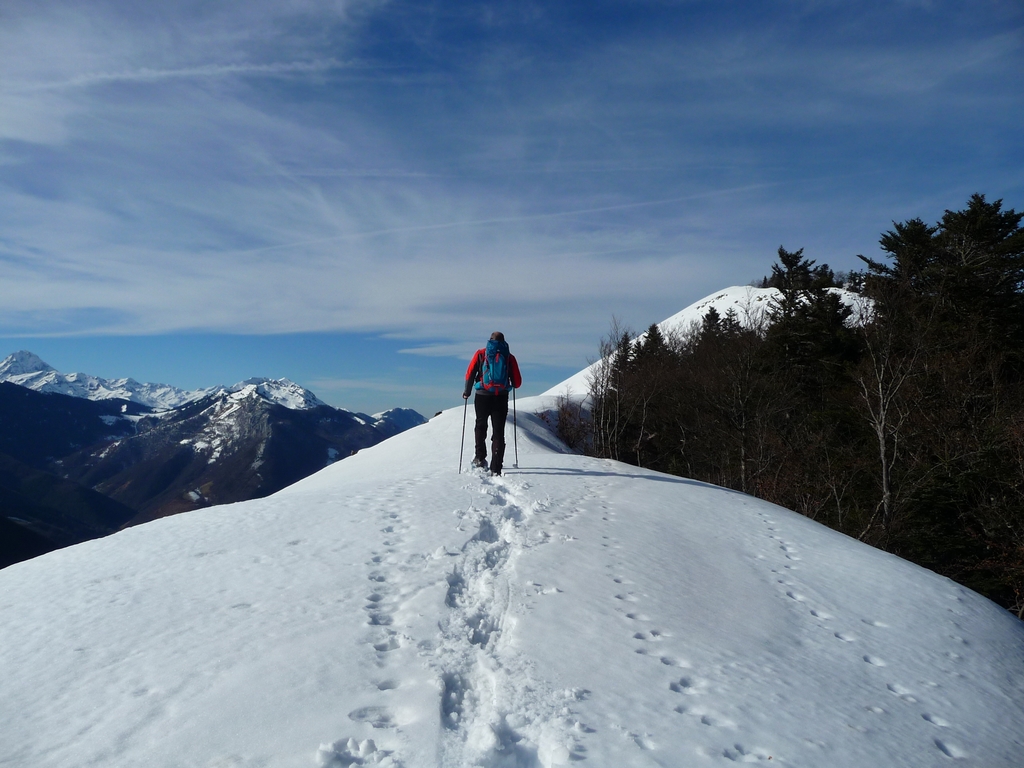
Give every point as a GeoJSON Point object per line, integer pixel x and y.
{"type": "Point", "coordinates": [494, 372]}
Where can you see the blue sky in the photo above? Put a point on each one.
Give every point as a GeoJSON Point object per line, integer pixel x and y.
{"type": "Point", "coordinates": [354, 194]}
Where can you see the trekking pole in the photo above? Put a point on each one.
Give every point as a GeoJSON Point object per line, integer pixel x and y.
{"type": "Point", "coordinates": [462, 445]}
{"type": "Point", "coordinates": [515, 431]}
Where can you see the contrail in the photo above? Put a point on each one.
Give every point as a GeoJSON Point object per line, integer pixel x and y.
{"type": "Point", "coordinates": [146, 74]}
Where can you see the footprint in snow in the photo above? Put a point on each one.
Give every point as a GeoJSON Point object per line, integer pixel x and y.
{"type": "Point", "coordinates": [845, 637]}
{"type": "Point", "coordinates": [378, 717]}
{"type": "Point", "coordinates": [904, 693]}
{"type": "Point", "coordinates": [670, 661]}
{"type": "Point", "coordinates": [874, 661]}
{"type": "Point", "coordinates": [950, 750]}
{"type": "Point", "coordinates": [644, 742]}
{"type": "Point", "coordinates": [345, 752]}
{"type": "Point", "coordinates": [691, 686]}
{"type": "Point", "coordinates": [706, 717]}
{"type": "Point", "coordinates": [388, 644]}
{"type": "Point", "coordinates": [740, 754]}
{"type": "Point", "coordinates": [714, 721]}
{"type": "Point", "coordinates": [935, 720]}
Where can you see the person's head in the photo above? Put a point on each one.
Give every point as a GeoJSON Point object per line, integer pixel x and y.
{"type": "Point", "coordinates": [497, 336]}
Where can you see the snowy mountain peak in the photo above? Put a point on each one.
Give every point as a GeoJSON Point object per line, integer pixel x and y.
{"type": "Point", "coordinates": [22, 363]}
{"type": "Point", "coordinates": [281, 391]}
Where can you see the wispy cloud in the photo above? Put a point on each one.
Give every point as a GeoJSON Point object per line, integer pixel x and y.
{"type": "Point", "coordinates": [267, 167]}
{"type": "Point", "coordinates": [144, 74]}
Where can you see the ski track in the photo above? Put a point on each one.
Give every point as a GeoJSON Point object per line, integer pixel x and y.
{"type": "Point", "coordinates": [492, 711]}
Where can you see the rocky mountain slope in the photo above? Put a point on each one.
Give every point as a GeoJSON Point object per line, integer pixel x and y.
{"type": "Point", "coordinates": [98, 461]}
{"type": "Point", "coordinates": [229, 446]}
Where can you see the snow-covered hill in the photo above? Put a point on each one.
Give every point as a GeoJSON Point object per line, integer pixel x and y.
{"type": "Point", "coordinates": [391, 611]}
{"type": "Point", "coordinates": [750, 306]}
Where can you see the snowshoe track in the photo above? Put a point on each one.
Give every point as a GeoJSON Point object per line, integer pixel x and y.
{"type": "Point", "coordinates": [487, 686]}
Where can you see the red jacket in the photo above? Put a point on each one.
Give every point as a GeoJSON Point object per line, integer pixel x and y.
{"type": "Point", "coordinates": [475, 372]}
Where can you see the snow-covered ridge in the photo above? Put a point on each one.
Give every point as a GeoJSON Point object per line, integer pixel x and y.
{"type": "Point", "coordinates": [750, 305]}
{"type": "Point", "coordinates": [281, 391]}
{"type": "Point", "coordinates": [390, 611]}
{"type": "Point", "coordinates": [28, 370]}
{"type": "Point", "coordinates": [400, 419]}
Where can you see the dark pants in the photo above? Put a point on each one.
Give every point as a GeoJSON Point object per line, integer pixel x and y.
{"type": "Point", "coordinates": [495, 408]}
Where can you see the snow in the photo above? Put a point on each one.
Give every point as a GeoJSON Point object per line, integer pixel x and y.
{"type": "Point", "coordinates": [391, 611]}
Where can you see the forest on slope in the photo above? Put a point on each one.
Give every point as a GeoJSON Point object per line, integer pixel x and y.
{"type": "Point", "coordinates": [901, 425]}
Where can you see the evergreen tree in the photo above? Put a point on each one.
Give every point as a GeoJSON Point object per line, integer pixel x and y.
{"type": "Point", "coordinates": [711, 325]}
{"type": "Point", "coordinates": [791, 275]}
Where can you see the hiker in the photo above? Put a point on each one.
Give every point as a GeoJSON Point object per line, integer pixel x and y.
{"type": "Point", "coordinates": [494, 371]}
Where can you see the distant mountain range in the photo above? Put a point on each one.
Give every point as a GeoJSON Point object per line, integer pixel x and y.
{"type": "Point", "coordinates": [82, 456]}
{"type": "Point", "coordinates": [27, 370]}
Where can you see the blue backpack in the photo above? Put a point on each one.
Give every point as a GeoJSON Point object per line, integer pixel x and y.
{"type": "Point", "coordinates": [495, 375]}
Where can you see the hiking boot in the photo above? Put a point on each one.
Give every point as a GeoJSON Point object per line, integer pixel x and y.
{"type": "Point", "coordinates": [480, 463]}
{"type": "Point", "coordinates": [495, 472]}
